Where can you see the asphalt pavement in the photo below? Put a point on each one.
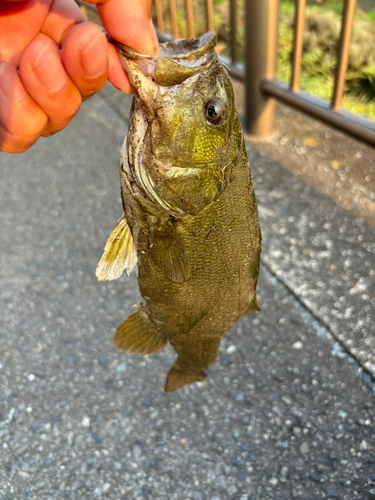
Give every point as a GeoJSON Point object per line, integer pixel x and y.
{"type": "Point", "coordinates": [288, 408]}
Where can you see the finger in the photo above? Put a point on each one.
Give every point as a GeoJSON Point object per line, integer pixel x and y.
{"type": "Point", "coordinates": [129, 22]}
{"type": "Point", "coordinates": [19, 23]}
{"type": "Point", "coordinates": [62, 15]}
{"type": "Point", "coordinates": [21, 119]}
{"type": "Point", "coordinates": [117, 75]}
{"type": "Point", "coordinates": [45, 79]}
{"type": "Point", "coordinates": [84, 54]}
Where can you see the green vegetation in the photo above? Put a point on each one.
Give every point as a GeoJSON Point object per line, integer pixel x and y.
{"type": "Point", "coordinates": [321, 35]}
{"type": "Point", "coordinates": [322, 32]}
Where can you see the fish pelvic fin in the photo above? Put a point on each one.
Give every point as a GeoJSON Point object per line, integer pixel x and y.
{"type": "Point", "coordinates": [139, 335]}
{"type": "Point", "coordinates": [181, 373]}
{"type": "Point", "coordinates": [119, 253]}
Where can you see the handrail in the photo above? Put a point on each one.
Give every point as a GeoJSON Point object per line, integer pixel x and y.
{"type": "Point", "coordinates": [233, 31]}
{"type": "Point", "coordinates": [342, 63]}
{"type": "Point", "coordinates": [159, 15]}
{"type": "Point", "coordinates": [190, 18]}
{"type": "Point", "coordinates": [298, 44]}
{"type": "Point", "coordinates": [357, 126]}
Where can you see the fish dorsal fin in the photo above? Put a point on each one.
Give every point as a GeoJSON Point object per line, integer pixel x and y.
{"type": "Point", "coordinates": [119, 253]}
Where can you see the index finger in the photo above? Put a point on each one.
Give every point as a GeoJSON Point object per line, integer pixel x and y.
{"type": "Point", "coordinates": [129, 22]}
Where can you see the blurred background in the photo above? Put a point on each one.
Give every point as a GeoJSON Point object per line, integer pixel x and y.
{"type": "Point", "coordinates": [321, 35]}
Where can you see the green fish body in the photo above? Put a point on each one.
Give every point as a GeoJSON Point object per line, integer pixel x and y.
{"type": "Point", "coordinates": [190, 215]}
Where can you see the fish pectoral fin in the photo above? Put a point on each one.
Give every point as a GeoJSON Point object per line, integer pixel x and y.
{"type": "Point", "coordinates": [139, 335]}
{"type": "Point", "coordinates": [119, 253]}
{"type": "Point", "coordinates": [167, 252]}
{"type": "Point", "coordinates": [182, 373]}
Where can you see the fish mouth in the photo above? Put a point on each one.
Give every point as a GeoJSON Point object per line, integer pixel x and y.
{"type": "Point", "coordinates": [192, 48]}
{"type": "Point", "coordinates": [177, 62]}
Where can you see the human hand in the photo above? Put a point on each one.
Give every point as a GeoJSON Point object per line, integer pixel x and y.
{"type": "Point", "coordinates": [51, 60]}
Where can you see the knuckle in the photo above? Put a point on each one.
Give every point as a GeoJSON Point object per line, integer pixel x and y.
{"type": "Point", "coordinates": [33, 126]}
{"type": "Point", "coordinates": [71, 108]}
{"type": "Point", "coordinates": [22, 132]}
{"type": "Point", "coordinates": [13, 144]}
{"type": "Point", "coordinates": [63, 106]}
{"type": "Point", "coordinates": [88, 89]}
{"type": "Point", "coordinates": [59, 121]}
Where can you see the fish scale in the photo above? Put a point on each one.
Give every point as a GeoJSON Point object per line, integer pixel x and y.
{"type": "Point", "coordinates": [196, 234]}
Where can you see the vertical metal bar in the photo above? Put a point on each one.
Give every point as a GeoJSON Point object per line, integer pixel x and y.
{"type": "Point", "coordinates": [159, 16]}
{"type": "Point", "coordinates": [210, 16]}
{"type": "Point", "coordinates": [233, 31]}
{"type": "Point", "coordinates": [261, 37]}
{"type": "Point", "coordinates": [172, 6]}
{"type": "Point", "coordinates": [83, 9]}
{"type": "Point", "coordinates": [343, 52]}
{"type": "Point", "coordinates": [273, 28]}
{"type": "Point", "coordinates": [190, 17]}
{"type": "Point", "coordinates": [299, 21]}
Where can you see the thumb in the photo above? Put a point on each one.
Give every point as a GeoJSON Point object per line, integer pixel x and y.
{"type": "Point", "coordinates": [129, 22]}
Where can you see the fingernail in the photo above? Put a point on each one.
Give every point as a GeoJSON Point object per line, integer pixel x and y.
{"type": "Point", "coordinates": [49, 70]}
{"type": "Point", "coordinates": [95, 57]}
{"type": "Point", "coordinates": [10, 84]}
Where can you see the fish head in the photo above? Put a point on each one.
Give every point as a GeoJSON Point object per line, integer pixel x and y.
{"type": "Point", "coordinates": [187, 100]}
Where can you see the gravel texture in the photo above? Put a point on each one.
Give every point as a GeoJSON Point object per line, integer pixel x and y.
{"type": "Point", "coordinates": [287, 411]}
{"type": "Point", "coordinates": [323, 254]}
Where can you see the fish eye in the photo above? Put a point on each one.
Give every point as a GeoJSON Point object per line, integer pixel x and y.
{"type": "Point", "coordinates": [215, 111]}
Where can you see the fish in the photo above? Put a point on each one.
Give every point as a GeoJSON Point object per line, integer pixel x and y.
{"type": "Point", "coordinates": [190, 219]}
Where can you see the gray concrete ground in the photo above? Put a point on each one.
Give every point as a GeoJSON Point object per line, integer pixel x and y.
{"type": "Point", "coordinates": [288, 409]}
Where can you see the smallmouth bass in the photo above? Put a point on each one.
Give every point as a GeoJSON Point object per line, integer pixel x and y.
{"type": "Point", "coordinates": [190, 216]}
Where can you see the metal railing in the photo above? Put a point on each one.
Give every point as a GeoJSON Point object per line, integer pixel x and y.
{"type": "Point", "coordinates": [189, 17]}
{"type": "Point", "coordinates": [259, 75]}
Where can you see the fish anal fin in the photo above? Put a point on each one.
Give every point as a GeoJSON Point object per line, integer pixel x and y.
{"type": "Point", "coordinates": [139, 335]}
{"type": "Point", "coordinates": [119, 253]}
{"type": "Point", "coordinates": [182, 373]}
{"type": "Point", "coordinates": [167, 252]}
